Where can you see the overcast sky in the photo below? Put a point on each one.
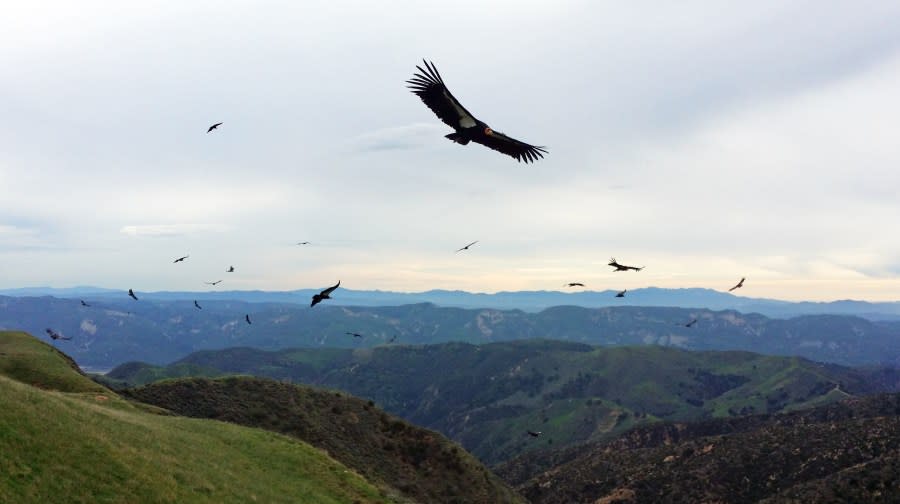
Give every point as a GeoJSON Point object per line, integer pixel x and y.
{"type": "Point", "coordinates": [705, 140]}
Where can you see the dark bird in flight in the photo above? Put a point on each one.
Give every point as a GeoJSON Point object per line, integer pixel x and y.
{"type": "Point", "coordinates": [56, 336]}
{"type": "Point", "coordinates": [622, 267]}
{"type": "Point", "coordinates": [213, 283]}
{"type": "Point", "coordinates": [622, 293]}
{"type": "Point", "coordinates": [214, 126]}
{"type": "Point", "coordinates": [247, 318]}
{"type": "Point", "coordinates": [180, 259]}
{"type": "Point", "coordinates": [355, 335]}
{"type": "Point", "coordinates": [83, 303]}
{"type": "Point", "coordinates": [197, 305]}
{"type": "Point", "coordinates": [429, 86]}
{"type": "Point", "coordinates": [534, 433]}
{"type": "Point", "coordinates": [131, 293]}
{"type": "Point", "coordinates": [691, 323]}
{"type": "Point", "coordinates": [574, 284]}
{"type": "Point", "coordinates": [467, 246]}
{"type": "Point", "coordinates": [303, 243]}
{"type": "Point", "coordinates": [393, 339]}
{"type": "Point", "coordinates": [230, 269]}
{"type": "Point", "coordinates": [325, 294]}
{"type": "Point", "coordinates": [738, 286]}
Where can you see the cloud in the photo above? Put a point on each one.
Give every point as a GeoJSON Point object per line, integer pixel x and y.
{"type": "Point", "coordinates": [170, 230]}
{"type": "Point", "coordinates": [412, 136]}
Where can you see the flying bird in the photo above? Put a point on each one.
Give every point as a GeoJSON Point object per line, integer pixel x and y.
{"type": "Point", "coordinates": [325, 294]}
{"type": "Point", "coordinates": [622, 267]}
{"type": "Point", "coordinates": [429, 86]}
{"type": "Point", "coordinates": [393, 339]}
{"type": "Point", "coordinates": [355, 335]}
{"type": "Point", "coordinates": [247, 318]}
{"type": "Point", "coordinates": [691, 323]}
{"type": "Point", "coordinates": [131, 293]}
{"type": "Point", "coordinates": [303, 243]}
{"type": "Point", "coordinates": [56, 336]}
{"type": "Point", "coordinates": [214, 126]}
{"type": "Point", "coordinates": [181, 259]}
{"type": "Point", "coordinates": [197, 305]}
{"type": "Point", "coordinates": [230, 269]}
{"type": "Point", "coordinates": [534, 433]}
{"type": "Point", "coordinates": [83, 303]}
{"type": "Point", "coordinates": [213, 283]}
{"type": "Point", "coordinates": [738, 286]}
{"type": "Point", "coordinates": [467, 246]}
{"type": "Point", "coordinates": [622, 293]}
{"type": "Point", "coordinates": [574, 284]}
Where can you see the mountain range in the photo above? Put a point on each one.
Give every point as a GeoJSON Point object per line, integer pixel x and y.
{"type": "Point", "coordinates": [529, 301]}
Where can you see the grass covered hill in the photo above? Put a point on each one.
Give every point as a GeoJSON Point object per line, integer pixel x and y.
{"type": "Point", "coordinates": [421, 464]}
{"type": "Point", "coordinates": [66, 439]}
{"type": "Point", "coordinates": [487, 396]}
{"type": "Point", "coordinates": [845, 452]}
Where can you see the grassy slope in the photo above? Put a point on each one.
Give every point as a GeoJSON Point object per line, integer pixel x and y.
{"type": "Point", "coordinates": [422, 464]}
{"type": "Point", "coordinates": [88, 445]}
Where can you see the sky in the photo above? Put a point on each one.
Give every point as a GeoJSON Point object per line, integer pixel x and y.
{"type": "Point", "coordinates": [704, 140]}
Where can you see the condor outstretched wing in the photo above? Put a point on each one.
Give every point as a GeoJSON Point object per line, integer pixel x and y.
{"type": "Point", "coordinates": [428, 85]}
{"type": "Point", "coordinates": [328, 291]}
{"type": "Point", "coordinates": [510, 146]}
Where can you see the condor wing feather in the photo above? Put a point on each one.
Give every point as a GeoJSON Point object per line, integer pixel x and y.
{"type": "Point", "coordinates": [428, 85]}
{"type": "Point", "coordinates": [511, 147]}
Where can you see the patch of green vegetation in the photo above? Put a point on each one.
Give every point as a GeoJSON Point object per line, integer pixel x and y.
{"type": "Point", "coordinates": [82, 443]}
{"type": "Point", "coordinates": [28, 360]}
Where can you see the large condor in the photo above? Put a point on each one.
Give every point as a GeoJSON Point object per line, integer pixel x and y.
{"type": "Point", "coordinates": [428, 85]}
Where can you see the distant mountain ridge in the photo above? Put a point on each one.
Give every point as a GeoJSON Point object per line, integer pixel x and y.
{"type": "Point", "coordinates": [530, 301]}
{"type": "Point", "coordinates": [115, 330]}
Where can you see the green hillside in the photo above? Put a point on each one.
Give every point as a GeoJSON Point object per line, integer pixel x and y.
{"type": "Point", "coordinates": [73, 441]}
{"type": "Point", "coordinates": [487, 396]}
{"type": "Point", "coordinates": [423, 465]}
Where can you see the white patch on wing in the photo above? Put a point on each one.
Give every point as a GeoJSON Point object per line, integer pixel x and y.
{"type": "Point", "coordinates": [465, 120]}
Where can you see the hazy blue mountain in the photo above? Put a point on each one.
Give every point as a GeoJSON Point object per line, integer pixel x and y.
{"type": "Point", "coordinates": [119, 329]}
{"type": "Point", "coordinates": [530, 301]}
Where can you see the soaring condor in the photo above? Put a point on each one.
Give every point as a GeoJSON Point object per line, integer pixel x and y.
{"type": "Point", "coordinates": [325, 294]}
{"type": "Point", "coordinates": [622, 267]}
{"type": "Point", "coordinates": [428, 85]}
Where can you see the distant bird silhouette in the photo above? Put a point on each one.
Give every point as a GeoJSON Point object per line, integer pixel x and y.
{"type": "Point", "coordinates": [467, 246]}
{"type": "Point", "coordinates": [534, 433]}
{"type": "Point", "coordinates": [56, 336]}
{"type": "Point", "coordinates": [83, 303]}
{"type": "Point", "coordinates": [393, 339]}
{"type": "Point", "coordinates": [180, 259]}
{"type": "Point", "coordinates": [131, 293]}
{"type": "Point", "coordinates": [622, 267]}
{"type": "Point", "coordinates": [622, 293]}
{"type": "Point", "coordinates": [197, 305]}
{"type": "Point", "coordinates": [247, 318]}
{"type": "Point", "coordinates": [213, 283]}
{"type": "Point", "coordinates": [355, 335]}
{"type": "Point", "coordinates": [574, 284]}
{"type": "Point", "coordinates": [214, 126]}
{"type": "Point", "coordinates": [325, 294]}
{"type": "Point", "coordinates": [738, 286]}
{"type": "Point", "coordinates": [691, 323]}
{"type": "Point", "coordinates": [303, 243]}
{"type": "Point", "coordinates": [230, 269]}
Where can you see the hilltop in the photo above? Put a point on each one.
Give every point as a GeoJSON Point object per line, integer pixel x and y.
{"type": "Point", "coordinates": [69, 441]}
{"type": "Point", "coordinates": [486, 396]}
